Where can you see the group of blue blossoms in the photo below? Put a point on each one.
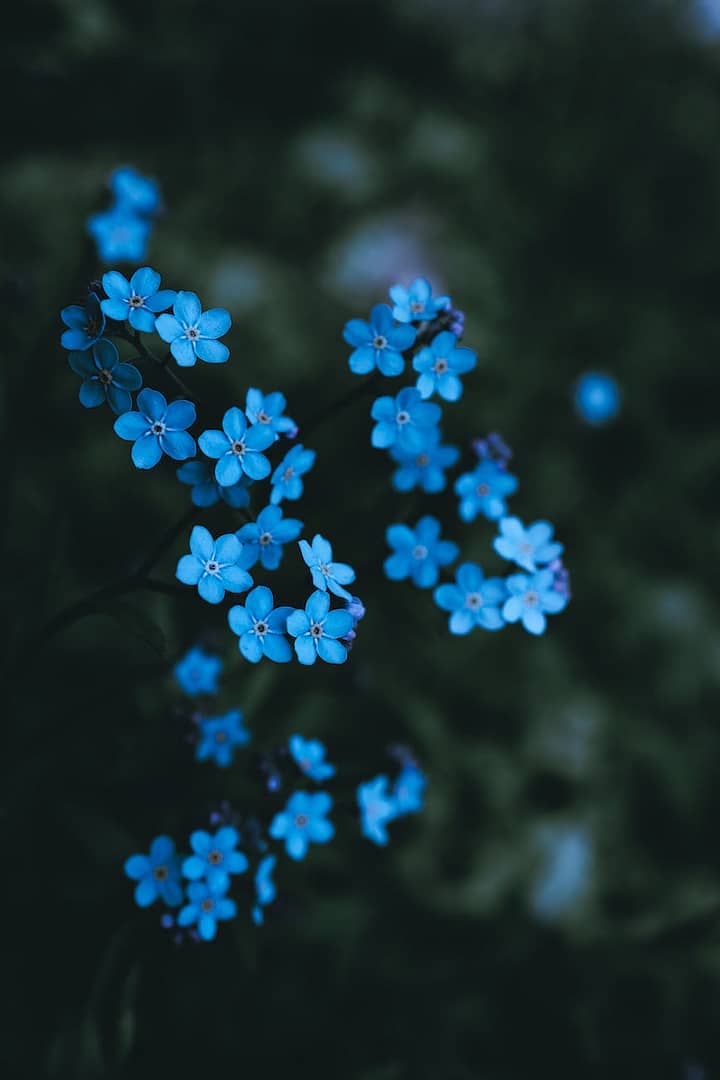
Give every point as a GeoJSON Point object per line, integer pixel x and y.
{"type": "Point", "coordinates": [407, 426]}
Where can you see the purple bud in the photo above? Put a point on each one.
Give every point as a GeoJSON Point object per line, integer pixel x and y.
{"type": "Point", "coordinates": [457, 322]}
{"type": "Point", "coordinates": [293, 432]}
{"type": "Point", "coordinates": [166, 921]}
{"type": "Point", "coordinates": [493, 448]}
{"type": "Point", "coordinates": [356, 608]}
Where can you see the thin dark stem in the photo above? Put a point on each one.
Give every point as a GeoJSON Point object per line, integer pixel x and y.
{"type": "Point", "coordinates": [162, 362]}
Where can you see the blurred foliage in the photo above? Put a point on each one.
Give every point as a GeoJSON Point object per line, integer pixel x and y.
{"type": "Point", "coordinates": [556, 167]}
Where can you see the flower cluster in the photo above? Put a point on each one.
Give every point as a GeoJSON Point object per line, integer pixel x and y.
{"type": "Point", "coordinates": [121, 233]}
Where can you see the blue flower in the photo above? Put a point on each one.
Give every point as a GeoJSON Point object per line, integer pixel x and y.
{"type": "Point", "coordinates": [192, 333]}
{"type": "Point", "coordinates": [303, 822]}
{"type": "Point", "coordinates": [597, 397]}
{"type": "Point", "coordinates": [198, 672]}
{"type": "Point", "coordinates": [206, 908]}
{"type": "Point", "coordinates": [377, 809]}
{"type": "Point", "coordinates": [205, 489]}
{"type": "Point", "coordinates": [441, 364]}
{"type": "Point", "coordinates": [326, 574]}
{"type": "Point", "coordinates": [219, 735]}
{"type": "Point", "coordinates": [260, 627]}
{"type": "Point", "coordinates": [268, 409]}
{"type": "Point", "coordinates": [86, 324]}
{"type": "Point", "coordinates": [104, 377]}
{"type": "Point", "coordinates": [309, 756]}
{"type": "Point", "coordinates": [263, 538]}
{"type": "Point", "coordinates": [136, 300]}
{"type": "Point", "coordinates": [405, 421]}
{"type": "Point", "coordinates": [120, 235]}
{"type": "Point", "coordinates": [135, 192]}
{"type": "Point", "coordinates": [530, 548]}
{"type": "Point", "coordinates": [316, 630]}
{"type": "Point", "coordinates": [286, 480]}
{"type": "Point", "coordinates": [424, 469]}
{"type": "Point", "coordinates": [157, 428]}
{"type": "Point", "coordinates": [418, 552]}
{"type": "Point", "coordinates": [473, 601]}
{"type": "Point", "coordinates": [531, 598]}
{"type": "Point", "coordinates": [213, 565]}
{"type": "Point", "coordinates": [157, 874]}
{"type": "Point", "coordinates": [237, 448]}
{"type": "Point", "coordinates": [483, 491]}
{"type": "Point", "coordinates": [215, 857]}
{"type": "Point", "coordinates": [378, 344]}
{"type": "Point", "coordinates": [265, 891]}
{"type": "Point", "coordinates": [408, 790]}
{"type": "Point", "coordinates": [416, 302]}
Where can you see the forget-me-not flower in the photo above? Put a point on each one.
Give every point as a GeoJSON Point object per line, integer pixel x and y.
{"type": "Point", "coordinates": [326, 574]}
{"type": "Point", "coordinates": [86, 324]}
{"type": "Point", "coordinates": [134, 191]}
{"type": "Point", "coordinates": [440, 364]}
{"type": "Point", "coordinates": [263, 538]}
{"type": "Point", "coordinates": [206, 907]}
{"type": "Point", "coordinates": [309, 756]}
{"type": "Point", "coordinates": [377, 809]}
{"type": "Point", "coordinates": [268, 409]}
{"type": "Point", "coordinates": [287, 479]}
{"type": "Point", "coordinates": [303, 822]}
{"type": "Point", "coordinates": [405, 421]}
{"type": "Point", "coordinates": [120, 235]}
{"type": "Point", "coordinates": [408, 790]}
{"type": "Point", "coordinates": [219, 735]}
{"type": "Point", "coordinates": [417, 553]}
{"type": "Point", "coordinates": [316, 630]}
{"type": "Point", "coordinates": [192, 334]}
{"type": "Point", "coordinates": [424, 468]}
{"type": "Point", "coordinates": [265, 890]}
{"type": "Point", "coordinates": [531, 599]}
{"type": "Point", "coordinates": [157, 428]}
{"type": "Point", "coordinates": [378, 343]}
{"type": "Point", "coordinates": [415, 302]}
{"type": "Point", "coordinates": [215, 857]}
{"type": "Point", "coordinates": [104, 377]}
{"type": "Point", "coordinates": [530, 548]}
{"type": "Point", "coordinates": [238, 448]}
{"type": "Point", "coordinates": [213, 565]}
{"type": "Point", "coordinates": [484, 491]}
{"type": "Point", "coordinates": [473, 601]}
{"type": "Point", "coordinates": [198, 672]}
{"type": "Point", "coordinates": [206, 491]}
{"type": "Point", "coordinates": [138, 300]}
{"type": "Point", "coordinates": [157, 874]}
{"type": "Point", "coordinates": [261, 627]}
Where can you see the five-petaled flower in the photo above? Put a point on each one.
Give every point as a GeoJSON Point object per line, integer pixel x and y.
{"type": "Point", "coordinates": [192, 333]}
{"type": "Point", "coordinates": [424, 468]}
{"type": "Point", "coordinates": [405, 421]}
{"type": "Point", "coordinates": [287, 479]}
{"type": "Point", "coordinates": [377, 809]}
{"type": "Point", "coordinates": [198, 672]}
{"type": "Point", "coordinates": [213, 565]}
{"type": "Point", "coordinates": [531, 599]}
{"type": "Point", "coordinates": [157, 428]}
{"type": "Point", "coordinates": [157, 874]}
{"type": "Point", "coordinates": [309, 756]}
{"type": "Point", "coordinates": [86, 324]}
{"type": "Point", "coordinates": [441, 364]}
{"type": "Point", "coordinates": [415, 302]}
{"type": "Point", "coordinates": [326, 574]}
{"type": "Point", "coordinates": [473, 601]}
{"type": "Point", "coordinates": [316, 630]}
{"type": "Point", "coordinates": [105, 378]}
{"type": "Point", "coordinates": [530, 548]}
{"type": "Point", "coordinates": [206, 491]}
{"type": "Point", "coordinates": [261, 627]}
{"type": "Point", "coordinates": [303, 822]}
{"type": "Point", "coordinates": [120, 235]}
{"type": "Point", "coordinates": [378, 343]}
{"type": "Point", "coordinates": [418, 552]}
{"type": "Point", "coordinates": [137, 300]}
{"type": "Point", "coordinates": [237, 448]}
{"type": "Point", "coordinates": [263, 538]}
{"type": "Point", "coordinates": [265, 890]}
{"type": "Point", "coordinates": [135, 192]}
{"type": "Point", "coordinates": [268, 409]}
{"type": "Point", "coordinates": [205, 909]}
{"type": "Point", "coordinates": [218, 737]}
{"type": "Point", "coordinates": [215, 857]}
{"type": "Point", "coordinates": [484, 491]}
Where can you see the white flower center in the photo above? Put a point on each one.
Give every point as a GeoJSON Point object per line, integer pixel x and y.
{"type": "Point", "coordinates": [531, 598]}
{"type": "Point", "coordinates": [263, 417]}
{"type": "Point", "coordinates": [379, 342]}
{"type": "Point", "coordinates": [419, 552]}
{"type": "Point", "coordinates": [402, 417]}
{"type": "Point", "coordinates": [261, 628]}
{"type": "Point", "coordinates": [265, 538]}
{"type": "Point", "coordinates": [158, 428]}
{"type": "Point", "coordinates": [212, 567]}
{"type": "Point", "coordinates": [238, 447]}
{"type": "Point", "coordinates": [416, 306]}
{"type": "Point", "coordinates": [483, 490]}
{"type": "Point", "coordinates": [474, 601]}
{"type": "Point", "coordinates": [316, 630]}
{"type": "Point", "coordinates": [192, 333]}
{"type": "Point", "coordinates": [440, 366]}
{"type": "Point", "coordinates": [136, 301]}
{"type": "Point", "coordinates": [105, 377]}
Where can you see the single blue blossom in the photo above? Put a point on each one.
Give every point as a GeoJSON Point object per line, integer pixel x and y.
{"type": "Point", "coordinates": [86, 324]}
{"type": "Point", "coordinates": [268, 409]}
{"type": "Point", "coordinates": [120, 235]}
{"type": "Point", "coordinates": [316, 630]}
{"type": "Point", "coordinates": [213, 565]}
{"type": "Point", "coordinates": [309, 756]}
{"type": "Point", "coordinates": [137, 300]}
{"type": "Point", "coordinates": [405, 421]}
{"type": "Point", "coordinates": [473, 601]}
{"type": "Point", "coordinates": [265, 890]}
{"type": "Point", "coordinates": [206, 491]}
{"type": "Point", "coordinates": [417, 553]}
{"type": "Point", "coordinates": [530, 548]}
{"type": "Point", "coordinates": [261, 627]}
{"type": "Point", "coordinates": [287, 479]}
{"type": "Point", "coordinates": [377, 809]}
{"type": "Point", "coordinates": [219, 735]}
{"type": "Point", "coordinates": [325, 573]}
{"type": "Point", "coordinates": [237, 448]}
{"type": "Point", "coordinates": [484, 491]}
{"type": "Point", "coordinates": [206, 907]}
{"type": "Point", "coordinates": [192, 334]}
{"type": "Point", "coordinates": [597, 397]}
{"type": "Point", "coordinates": [531, 599]}
{"type": "Point", "coordinates": [303, 822]}
{"type": "Point", "coordinates": [198, 672]}
{"type": "Point", "coordinates": [263, 538]}
{"type": "Point", "coordinates": [157, 874]}
{"type": "Point", "coordinates": [441, 363]}
{"type": "Point", "coordinates": [378, 343]}
{"type": "Point", "coordinates": [104, 377]}
{"type": "Point", "coordinates": [407, 793]}
{"type": "Point", "coordinates": [135, 192]}
{"type": "Point", "coordinates": [415, 302]}
{"type": "Point", "coordinates": [424, 469]}
{"type": "Point", "coordinates": [215, 857]}
{"type": "Point", "coordinates": [157, 428]}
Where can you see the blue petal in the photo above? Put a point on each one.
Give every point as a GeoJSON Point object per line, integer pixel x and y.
{"type": "Point", "coordinates": [92, 393]}
{"type": "Point", "coordinates": [180, 415]}
{"type": "Point", "coordinates": [212, 352]}
{"type": "Point", "coordinates": [214, 443]}
{"type": "Point", "coordinates": [178, 445]}
{"type": "Point", "coordinates": [152, 403]}
{"type": "Point", "coordinates": [144, 281]}
{"type": "Point", "coordinates": [187, 308]}
{"type": "Point", "coordinates": [211, 589]}
{"type": "Point", "coordinates": [189, 570]}
{"type": "Point", "coordinates": [214, 323]}
{"type": "Point", "coordinates": [146, 452]}
{"type": "Point", "coordinates": [183, 351]}
{"type": "Point", "coordinates": [168, 327]}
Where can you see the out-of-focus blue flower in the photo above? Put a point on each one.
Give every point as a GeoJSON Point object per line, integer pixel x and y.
{"type": "Point", "coordinates": [265, 890]}
{"type": "Point", "coordinates": [86, 324]}
{"type": "Point", "coordinates": [405, 421]}
{"type": "Point", "coordinates": [104, 377]}
{"type": "Point", "coordinates": [415, 302]}
{"type": "Point", "coordinates": [206, 491]}
{"type": "Point", "coordinates": [418, 552]}
{"type": "Point", "coordinates": [441, 364]}
{"type": "Point", "coordinates": [134, 192]}
{"type": "Point", "coordinates": [157, 428]}
{"type": "Point", "coordinates": [263, 538]}
{"type": "Point", "coordinates": [192, 333]}
{"type": "Point", "coordinates": [309, 756]}
{"type": "Point", "coordinates": [378, 344]}
{"type": "Point", "coordinates": [215, 857]}
{"type": "Point", "coordinates": [326, 574]}
{"type": "Point", "coordinates": [426, 468]}
{"type": "Point", "coordinates": [530, 548]}
{"type": "Point", "coordinates": [213, 565]}
{"type": "Point", "coordinates": [484, 491]}
{"type": "Point", "coordinates": [473, 601]}
{"type": "Point", "coordinates": [565, 877]}
{"type": "Point", "coordinates": [287, 479]}
{"type": "Point", "coordinates": [206, 907]}
{"type": "Point", "coordinates": [531, 599]}
{"type": "Point", "coordinates": [268, 409]}
{"type": "Point", "coordinates": [198, 672]}
{"type": "Point", "coordinates": [316, 630]}
{"type": "Point", "coordinates": [407, 793]}
{"type": "Point", "coordinates": [597, 397]}
{"type": "Point", "coordinates": [157, 874]}
{"type": "Point", "coordinates": [219, 735]}
{"type": "Point", "coordinates": [120, 235]}
{"type": "Point", "coordinates": [137, 300]}
{"type": "Point", "coordinates": [261, 628]}
{"type": "Point", "coordinates": [377, 809]}
{"type": "Point", "coordinates": [303, 822]}
{"type": "Point", "coordinates": [237, 448]}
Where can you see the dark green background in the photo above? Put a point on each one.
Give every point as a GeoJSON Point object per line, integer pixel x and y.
{"type": "Point", "coordinates": [556, 167]}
